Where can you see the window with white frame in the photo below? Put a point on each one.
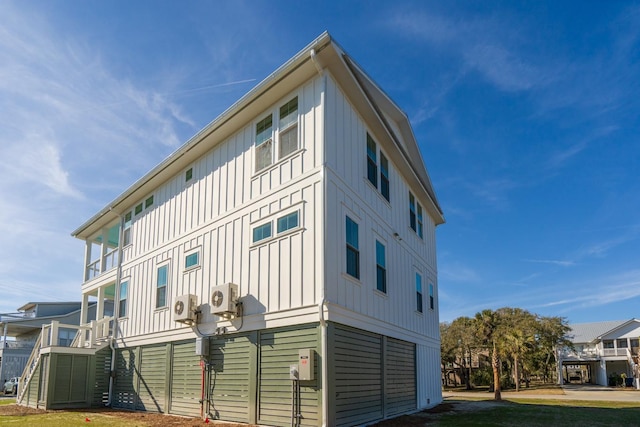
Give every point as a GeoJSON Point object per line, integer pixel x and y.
{"type": "Point", "coordinates": [415, 215]}
{"type": "Point", "coordinates": [353, 253]}
{"type": "Point", "coordinates": [192, 260]}
{"type": "Point", "coordinates": [122, 299]}
{"type": "Point", "coordinates": [372, 163]}
{"type": "Point", "coordinates": [162, 281]}
{"type": "Point", "coordinates": [419, 292]}
{"type": "Point", "coordinates": [262, 232]}
{"type": "Point", "coordinates": [284, 138]}
{"type": "Point", "coordinates": [381, 268]}
{"type": "Point", "coordinates": [288, 222]}
{"type": "Point", "coordinates": [384, 176]}
{"type": "Point", "coordinates": [127, 228]}
{"type": "Point", "coordinates": [432, 299]}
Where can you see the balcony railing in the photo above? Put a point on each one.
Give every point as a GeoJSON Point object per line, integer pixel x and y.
{"type": "Point", "coordinates": [87, 335]}
{"type": "Point", "coordinates": [594, 353]}
{"type": "Point", "coordinates": [108, 262]}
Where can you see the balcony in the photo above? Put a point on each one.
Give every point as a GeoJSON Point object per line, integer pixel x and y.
{"type": "Point", "coordinates": [594, 353]}
{"type": "Point", "coordinates": [101, 253]}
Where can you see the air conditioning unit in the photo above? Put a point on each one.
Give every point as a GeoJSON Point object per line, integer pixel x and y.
{"type": "Point", "coordinates": [224, 299]}
{"type": "Point", "coordinates": [184, 308]}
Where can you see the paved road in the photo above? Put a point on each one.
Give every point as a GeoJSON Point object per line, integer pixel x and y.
{"type": "Point", "coordinates": [571, 392]}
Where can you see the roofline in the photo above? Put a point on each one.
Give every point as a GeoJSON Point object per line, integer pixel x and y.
{"type": "Point", "coordinates": [633, 319]}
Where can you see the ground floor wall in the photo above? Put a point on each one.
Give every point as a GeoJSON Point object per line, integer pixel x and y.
{"type": "Point", "coordinates": [245, 377]}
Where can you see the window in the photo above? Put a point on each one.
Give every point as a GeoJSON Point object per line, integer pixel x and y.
{"type": "Point", "coordinates": [262, 232]}
{"type": "Point", "coordinates": [149, 202]}
{"type": "Point", "coordinates": [122, 304]}
{"type": "Point", "coordinates": [127, 228]}
{"type": "Point", "coordinates": [621, 343]}
{"type": "Point", "coordinates": [381, 269]}
{"type": "Point", "coordinates": [66, 336]}
{"type": "Point", "coordinates": [161, 286]}
{"type": "Point", "coordinates": [138, 208]}
{"type": "Point", "coordinates": [419, 292]}
{"type": "Point", "coordinates": [384, 176]}
{"type": "Point", "coordinates": [287, 131]}
{"type": "Point", "coordinates": [188, 175]}
{"type": "Point", "coordinates": [634, 342]}
{"type": "Point", "coordinates": [353, 254]}
{"type": "Point", "coordinates": [432, 301]}
{"type": "Point", "coordinates": [415, 215]}
{"type": "Point", "coordinates": [289, 127]}
{"type": "Point", "coordinates": [372, 164]}
{"type": "Point", "coordinates": [288, 222]}
{"type": "Point", "coordinates": [264, 141]}
{"type": "Point", "coordinates": [192, 260]}
{"type": "Point", "coordinates": [607, 343]}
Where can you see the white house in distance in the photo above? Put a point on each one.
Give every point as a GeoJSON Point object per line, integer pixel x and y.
{"type": "Point", "coordinates": [601, 350]}
{"type": "Point", "coordinates": [279, 268]}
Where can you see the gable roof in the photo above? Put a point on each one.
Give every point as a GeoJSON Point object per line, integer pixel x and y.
{"type": "Point", "coordinates": [323, 52]}
{"type": "Point", "coordinates": [589, 332]}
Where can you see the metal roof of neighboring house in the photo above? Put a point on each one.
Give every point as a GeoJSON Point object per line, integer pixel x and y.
{"type": "Point", "coordinates": [588, 332]}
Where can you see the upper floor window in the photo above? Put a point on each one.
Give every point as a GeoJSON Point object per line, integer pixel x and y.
{"type": "Point", "coordinates": [192, 260]}
{"type": "Point", "coordinates": [621, 343]}
{"type": "Point", "coordinates": [384, 176]}
{"type": "Point", "coordinates": [381, 268]}
{"type": "Point", "coordinates": [262, 232]}
{"type": "Point", "coordinates": [122, 299]}
{"type": "Point", "coordinates": [353, 253]}
{"type": "Point", "coordinates": [415, 215]}
{"type": "Point", "coordinates": [285, 136]}
{"type": "Point", "coordinates": [162, 279]}
{"type": "Point", "coordinates": [372, 163]}
{"type": "Point", "coordinates": [432, 299]}
{"type": "Point", "coordinates": [419, 292]}
{"type": "Point", "coordinates": [127, 228]}
{"type": "Point", "coordinates": [288, 222]}
{"type": "Point", "coordinates": [188, 175]}
{"type": "Point", "coordinates": [149, 202]}
{"type": "Point", "coordinates": [607, 343]}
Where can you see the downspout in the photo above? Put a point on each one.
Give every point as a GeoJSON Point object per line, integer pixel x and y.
{"type": "Point", "coordinates": [323, 322]}
{"type": "Point", "coordinates": [116, 310]}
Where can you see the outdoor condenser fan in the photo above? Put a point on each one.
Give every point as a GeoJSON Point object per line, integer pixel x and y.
{"type": "Point", "coordinates": [179, 307]}
{"type": "Point", "coordinates": [217, 298]}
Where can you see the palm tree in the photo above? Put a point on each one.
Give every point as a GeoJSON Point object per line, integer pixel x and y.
{"type": "Point", "coordinates": [487, 324]}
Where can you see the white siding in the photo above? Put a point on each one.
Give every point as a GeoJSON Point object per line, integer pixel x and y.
{"type": "Point", "coordinates": [216, 211]}
{"type": "Point", "coordinates": [350, 193]}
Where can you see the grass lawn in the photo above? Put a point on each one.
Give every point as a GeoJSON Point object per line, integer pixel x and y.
{"type": "Point", "coordinates": [7, 401]}
{"type": "Point", "coordinates": [523, 412]}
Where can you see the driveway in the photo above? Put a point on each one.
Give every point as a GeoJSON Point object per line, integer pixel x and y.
{"type": "Point", "coordinates": [571, 392]}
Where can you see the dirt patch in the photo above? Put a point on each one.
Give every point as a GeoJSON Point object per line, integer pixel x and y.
{"type": "Point", "coordinates": [424, 418]}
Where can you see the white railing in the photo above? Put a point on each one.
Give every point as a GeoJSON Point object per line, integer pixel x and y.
{"type": "Point", "coordinates": [87, 336]}
{"type": "Point", "coordinates": [594, 353]}
{"type": "Point", "coordinates": [93, 269]}
{"type": "Point", "coordinates": [108, 262]}
{"type": "Point", "coordinates": [614, 352]}
{"type": "Point", "coordinates": [27, 373]}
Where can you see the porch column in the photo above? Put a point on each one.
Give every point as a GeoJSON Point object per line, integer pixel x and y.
{"type": "Point", "coordinates": [100, 305]}
{"type": "Point", "coordinates": [54, 333]}
{"type": "Point", "coordinates": [104, 248]}
{"type": "Point", "coordinates": [4, 335]}
{"type": "Point", "coordinates": [84, 309]}
{"type": "Point", "coordinates": [559, 367]}
{"type": "Point", "coordinates": [87, 260]}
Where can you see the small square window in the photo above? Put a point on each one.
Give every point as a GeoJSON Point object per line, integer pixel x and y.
{"type": "Point", "coordinates": [149, 202]}
{"type": "Point", "coordinates": [288, 222]}
{"type": "Point", "coordinates": [192, 260]}
{"type": "Point", "coordinates": [262, 232]}
{"type": "Point", "coordinates": [138, 209]}
{"type": "Point", "coordinates": [188, 175]}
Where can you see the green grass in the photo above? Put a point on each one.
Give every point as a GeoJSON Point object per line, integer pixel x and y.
{"type": "Point", "coordinates": [7, 401]}
{"type": "Point", "coordinates": [535, 413]}
{"type": "Point", "coordinates": [71, 419]}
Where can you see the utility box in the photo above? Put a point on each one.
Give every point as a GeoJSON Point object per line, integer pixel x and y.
{"type": "Point", "coordinates": [202, 346]}
{"type": "Point", "coordinates": [306, 364]}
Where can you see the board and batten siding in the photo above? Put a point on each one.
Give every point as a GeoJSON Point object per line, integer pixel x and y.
{"type": "Point", "coordinates": [152, 379]}
{"type": "Point", "coordinates": [225, 179]}
{"type": "Point", "coordinates": [276, 274]}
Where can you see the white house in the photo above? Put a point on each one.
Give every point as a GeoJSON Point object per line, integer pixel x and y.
{"type": "Point", "coordinates": [601, 350]}
{"type": "Point", "coordinates": [279, 268]}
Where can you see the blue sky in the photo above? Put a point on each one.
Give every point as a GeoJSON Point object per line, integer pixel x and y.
{"type": "Point", "coordinates": [527, 115]}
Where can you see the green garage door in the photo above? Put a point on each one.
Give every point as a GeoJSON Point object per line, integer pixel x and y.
{"type": "Point", "coordinates": [357, 376]}
{"type": "Point", "coordinates": [231, 364]}
{"type": "Point", "coordinates": [186, 377]}
{"type": "Point", "coordinates": [152, 378]}
{"type": "Point", "coordinates": [400, 379]}
{"type": "Point", "coordinates": [278, 350]}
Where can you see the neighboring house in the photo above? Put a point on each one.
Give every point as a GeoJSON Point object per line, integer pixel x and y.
{"type": "Point", "coordinates": [601, 350]}
{"type": "Point", "coordinates": [25, 327]}
{"type": "Point", "coordinates": [295, 232]}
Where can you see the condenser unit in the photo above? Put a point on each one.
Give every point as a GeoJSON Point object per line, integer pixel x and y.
{"type": "Point", "coordinates": [224, 299]}
{"type": "Point", "coordinates": [184, 308]}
